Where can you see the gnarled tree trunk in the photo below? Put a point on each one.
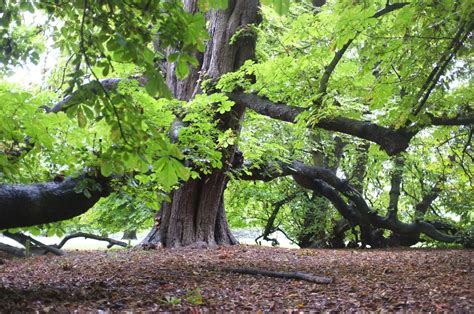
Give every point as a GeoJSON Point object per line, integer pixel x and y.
{"type": "Point", "coordinates": [196, 214]}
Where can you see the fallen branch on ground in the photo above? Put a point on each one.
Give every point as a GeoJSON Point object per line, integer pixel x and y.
{"type": "Point", "coordinates": [38, 248]}
{"type": "Point", "coordinates": [112, 242]}
{"type": "Point", "coordinates": [277, 274]}
{"type": "Point", "coordinates": [15, 251]}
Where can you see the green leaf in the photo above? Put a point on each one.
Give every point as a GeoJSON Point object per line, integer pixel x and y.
{"type": "Point", "coordinates": [152, 86]}
{"type": "Point", "coordinates": [166, 172]}
{"type": "Point", "coordinates": [81, 118]}
{"type": "Point", "coordinates": [106, 169]}
{"type": "Point", "coordinates": [182, 68]}
{"type": "Point", "coordinates": [182, 171]}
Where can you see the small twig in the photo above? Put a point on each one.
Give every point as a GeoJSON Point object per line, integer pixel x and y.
{"type": "Point", "coordinates": [64, 72]}
{"type": "Point", "coordinates": [440, 68]}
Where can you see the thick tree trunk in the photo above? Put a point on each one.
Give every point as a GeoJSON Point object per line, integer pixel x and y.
{"type": "Point", "coordinates": [196, 214]}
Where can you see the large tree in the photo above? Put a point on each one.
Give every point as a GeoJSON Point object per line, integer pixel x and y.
{"type": "Point", "coordinates": [196, 211]}
{"type": "Point", "coordinates": [172, 124]}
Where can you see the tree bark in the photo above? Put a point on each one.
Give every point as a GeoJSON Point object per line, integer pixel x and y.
{"type": "Point", "coordinates": [196, 214]}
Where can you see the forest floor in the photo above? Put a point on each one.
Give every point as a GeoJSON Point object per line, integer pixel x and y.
{"type": "Point", "coordinates": [196, 280]}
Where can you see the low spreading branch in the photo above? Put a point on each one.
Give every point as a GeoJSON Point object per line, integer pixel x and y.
{"type": "Point", "coordinates": [349, 202]}
{"type": "Point", "coordinates": [37, 246]}
{"type": "Point", "coordinates": [24, 205]}
{"type": "Point", "coordinates": [270, 225]}
{"type": "Point", "coordinates": [15, 251]}
{"type": "Point", "coordinates": [111, 241]}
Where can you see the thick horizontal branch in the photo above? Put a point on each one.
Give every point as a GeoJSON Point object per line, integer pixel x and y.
{"type": "Point", "coordinates": [39, 203]}
{"type": "Point", "coordinates": [392, 141]}
{"type": "Point", "coordinates": [468, 119]}
{"type": "Point", "coordinates": [88, 89]}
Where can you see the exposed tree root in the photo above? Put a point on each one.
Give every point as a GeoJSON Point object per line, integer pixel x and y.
{"type": "Point", "coordinates": [277, 274]}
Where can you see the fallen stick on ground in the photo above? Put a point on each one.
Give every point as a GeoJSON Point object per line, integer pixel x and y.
{"type": "Point", "coordinates": [277, 274]}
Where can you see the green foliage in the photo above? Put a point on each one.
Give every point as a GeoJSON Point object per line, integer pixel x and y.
{"type": "Point", "coordinates": [18, 41]}
{"type": "Point", "coordinates": [195, 297]}
{"type": "Point", "coordinates": [131, 208]}
{"type": "Point", "coordinates": [171, 300]}
{"type": "Point", "coordinates": [105, 130]}
{"type": "Point", "coordinates": [280, 6]}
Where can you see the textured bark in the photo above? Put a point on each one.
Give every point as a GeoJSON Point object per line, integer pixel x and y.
{"type": "Point", "coordinates": [34, 204]}
{"type": "Point", "coordinates": [12, 250]}
{"type": "Point", "coordinates": [196, 214]}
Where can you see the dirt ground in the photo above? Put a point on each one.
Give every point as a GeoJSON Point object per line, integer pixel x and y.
{"type": "Point", "coordinates": [195, 280]}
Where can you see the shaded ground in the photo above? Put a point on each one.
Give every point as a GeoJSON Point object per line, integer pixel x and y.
{"type": "Point", "coordinates": [192, 279]}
